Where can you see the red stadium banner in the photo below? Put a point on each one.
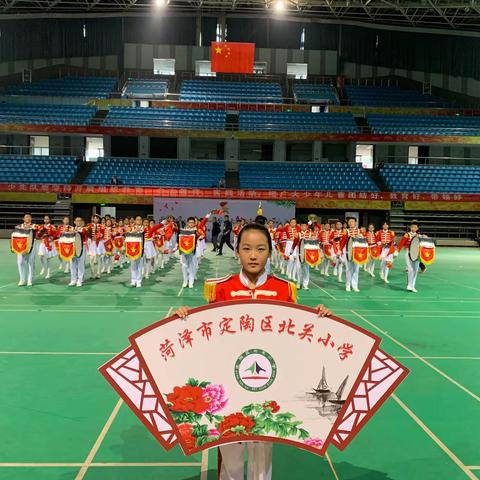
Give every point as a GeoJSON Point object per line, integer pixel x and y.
{"type": "Point", "coordinates": [232, 57]}
{"type": "Point", "coordinates": [230, 193]}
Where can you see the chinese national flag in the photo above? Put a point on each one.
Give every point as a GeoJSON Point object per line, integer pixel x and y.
{"type": "Point", "coordinates": [232, 57]}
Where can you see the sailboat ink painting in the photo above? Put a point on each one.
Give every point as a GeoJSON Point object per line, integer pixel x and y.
{"type": "Point", "coordinates": [257, 371]}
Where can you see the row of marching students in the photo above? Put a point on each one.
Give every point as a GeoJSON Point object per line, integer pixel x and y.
{"type": "Point", "coordinates": [300, 247]}
{"type": "Point", "coordinates": [102, 244]}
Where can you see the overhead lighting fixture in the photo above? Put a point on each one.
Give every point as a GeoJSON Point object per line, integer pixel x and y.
{"type": "Point", "coordinates": [279, 6]}
{"type": "Point", "coordinates": [161, 3]}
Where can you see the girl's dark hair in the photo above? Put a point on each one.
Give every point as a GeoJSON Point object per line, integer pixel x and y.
{"type": "Point", "coordinates": [259, 228]}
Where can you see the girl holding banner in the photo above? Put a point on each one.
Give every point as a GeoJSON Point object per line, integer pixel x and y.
{"type": "Point", "coordinates": [254, 248]}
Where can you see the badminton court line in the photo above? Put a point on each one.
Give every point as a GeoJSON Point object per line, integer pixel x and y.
{"type": "Point", "coordinates": [440, 444]}
{"type": "Point", "coordinates": [426, 362]}
{"type": "Point", "coordinates": [96, 446]}
{"type": "Point", "coordinates": [100, 464]}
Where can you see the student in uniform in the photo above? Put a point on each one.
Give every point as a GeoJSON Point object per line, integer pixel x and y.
{"type": "Point", "coordinates": [385, 238]}
{"type": "Point", "coordinates": [26, 262]}
{"type": "Point", "coordinates": [412, 266]}
{"type": "Point", "coordinates": [46, 249]}
{"type": "Point", "coordinates": [77, 268]}
{"type": "Point", "coordinates": [254, 248]}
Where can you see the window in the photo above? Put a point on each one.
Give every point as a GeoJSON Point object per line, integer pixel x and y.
{"type": "Point", "coordinates": [297, 70]}
{"type": "Point", "coordinates": [203, 68]}
{"type": "Point", "coordinates": [93, 148]}
{"type": "Point", "coordinates": [164, 66]}
{"type": "Point", "coordinates": [39, 145]}
{"type": "Point", "coordinates": [413, 155]}
{"type": "Point", "coordinates": [364, 155]}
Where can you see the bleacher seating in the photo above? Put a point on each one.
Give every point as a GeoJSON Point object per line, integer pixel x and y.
{"type": "Point", "coordinates": [306, 176]}
{"type": "Point", "coordinates": [431, 178]}
{"type": "Point", "coordinates": [314, 93]}
{"type": "Point", "coordinates": [151, 172]}
{"type": "Point", "coordinates": [165, 118]}
{"type": "Point", "coordinates": [298, 122]}
{"type": "Point", "coordinates": [37, 169]}
{"type": "Point", "coordinates": [91, 87]}
{"type": "Point", "coordinates": [235, 92]}
{"type": "Point", "coordinates": [392, 97]}
{"type": "Point", "coordinates": [145, 88]}
{"type": "Point", "coordinates": [424, 125]}
{"type": "Point", "coordinates": [46, 114]}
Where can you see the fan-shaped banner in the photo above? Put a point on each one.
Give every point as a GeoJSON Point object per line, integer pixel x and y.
{"type": "Point", "coordinates": [254, 370]}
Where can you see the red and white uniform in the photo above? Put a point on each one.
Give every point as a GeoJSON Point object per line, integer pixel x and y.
{"type": "Point", "coordinates": [406, 240]}
{"type": "Point", "coordinates": [371, 238]}
{"type": "Point", "coordinates": [107, 237]}
{"type": "Point", "coordinates": [201, 236]}
{"type": "Point", "coordinates": [236, 287]}
{"type": "Point", "coordinates": [337, 238]}
{"type": "Point", "coordinates": [386, 238]}
{"type": "Point", "coordinates": [149, 246]}
{"type": "Point", "coordinates": [47, 234]}
{"type": "Point", "coordinates": [95, 240]}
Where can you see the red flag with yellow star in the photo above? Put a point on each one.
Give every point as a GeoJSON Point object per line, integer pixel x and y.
{"type": "Point", "coordinates": [232, 57]}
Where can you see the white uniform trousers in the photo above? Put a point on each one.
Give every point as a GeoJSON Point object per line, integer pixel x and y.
{"type": "Point", "coordinates": [77, 268]}
{"type": "Point", "coordinates": [259, 461]}
{"type": "Point", "coordinates": [26, 266]}
{"type": "Point", "coordinates": [303, 274]}
{"type": "Point", "coordinates": [385, 258]}
{"type": "Point", "coordinates": [189, 267]}
{"type": "Point", "coordinates": [412, 270]}
{"type": "Point", "coordinates": [136, 267]}
{"type": "Point", "coordinates": [352, 274]}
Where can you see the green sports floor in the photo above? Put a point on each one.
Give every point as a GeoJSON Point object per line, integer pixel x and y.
{"type": "Point", "coordinates": [59, 419]}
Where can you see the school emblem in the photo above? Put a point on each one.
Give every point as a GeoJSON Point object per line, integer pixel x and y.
{"type": "Point", "coordinates": [255, 370]}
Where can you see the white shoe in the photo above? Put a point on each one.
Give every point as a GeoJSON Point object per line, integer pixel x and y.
{"type": "Point", "coordinates": [414, 290]}
{"type": "Point", "coordinates": [133, 284]}
{"type": "Point", "coordinates": [348, 289]}
{"type": "Point", "coordinates": [97, 275]}
{"type": "Point", "coordinates": [102, 270]}
{"type": "Point", "coordinates": [381, 276]}
{"type": "Point", "coordinates": [386, 281]}
{"type": "Point", "coordinates": [190, 285]}
{"type": "Point", "coordinates": [72, 283]}
{"type": "Point", "coordinates": [109, 271]}
{"type": "Point", "coordinates": [409, 289]}
{"type": "Point", "coordinates": [299, 286]}
{"type": "Point", "coordinates": [21, 283]}
{"type": "Point", "coordinates": [60, 266]}
{"type": "Point", "coordinates": [184, 285]}
{"type": "Point", "coordinates": [372, 275]}
{"type": "Point", "coordinates": [327, 274]}
{"type": "Point", "coordinates": [306, 288]}
{"type": "Point", "coordinates": [139, 284]}
{"type": "Point", "coordinates": [356, 290]}
{"type": "Point", "coordinates": [79, 284]}
{"type": "Point", "coordinates": [42, 271]}
{"type": "Point", "coordinates": [47, 276]}
{"type": "Point", "coordinates": [29, 284]}
{"type": "Point", "coordinates": [147, 276]}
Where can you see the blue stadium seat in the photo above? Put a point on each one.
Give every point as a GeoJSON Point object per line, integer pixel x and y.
{"type": "Point", "coordinates": [431, 178]}
{"type": "Point", "coordinates": [152, 172]}
{"type": "Point", "coordinates": [91, 87]}
{"type": "Point", "coordinates": [37, 169]}
{"type": "Point", "coordinates": [314, 93]}
{"type": "Point", "coordinates": [306, 176]}
{"type": "Point", "coordinates": [220, 91]}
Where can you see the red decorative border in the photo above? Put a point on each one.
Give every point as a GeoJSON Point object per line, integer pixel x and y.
{"type": "Point", "coordinates": [163, 132]}
{"type": "Point", "coordinates": [237, 194]}
{"type": "Point", "coordinates": [241, 438]}
{"type": "Point", "coordinates": [151, 428]}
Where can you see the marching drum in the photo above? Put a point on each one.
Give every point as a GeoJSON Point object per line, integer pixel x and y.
{"type": "Point", "coordinates": [357, 250]}
{"type": "Point", "coordinates": [134, 245]}
{"type": "Point", "coordinates": [22, 240]}
{"type": "Point", "coordinates": [310, 252]}
{"type": "Point", "coordinates": [70, 244]}
{"type": "Point", "coordinates": [423, 249]}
